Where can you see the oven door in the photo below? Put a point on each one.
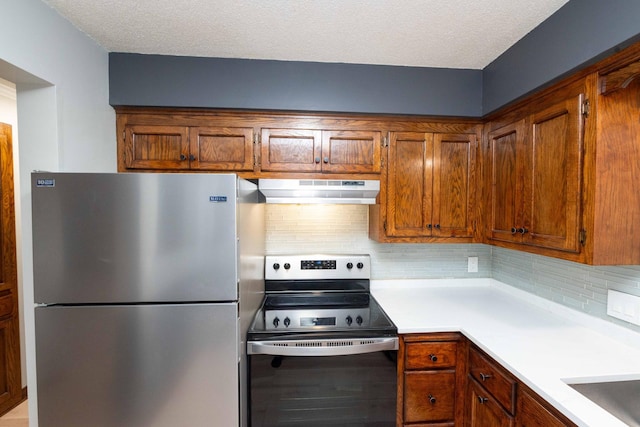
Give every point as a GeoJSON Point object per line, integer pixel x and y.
{"type": "Point", "coordinates": [320, 383]}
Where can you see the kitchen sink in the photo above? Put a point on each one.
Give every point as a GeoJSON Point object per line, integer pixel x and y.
{"type": "Point", "coordinates": [620, 398]}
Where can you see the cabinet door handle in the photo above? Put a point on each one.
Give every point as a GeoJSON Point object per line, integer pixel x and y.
{"type": "Point", "coordinates": [183, 157]}
{"type": "Point", "coordinates": [433, 357]}
{"type": "Point", "coordinates": [523, 230]}
{"type": "Point", "coordinates": [482, 400]}
{"type": "Point", "coordinates": [484, 377]}
{"type": "Point", "coordinates": [192, 157]}
{"type": "Point", "coordinates": [438, 226]}
{"type": "Point", "coordinates": [317, 159]}
{"type": "Point", "coordinates": [326, 160]}
{"type": "Point", "coordinates": [432, 399]}
{"type": "Point", "coordinates": [514, 230]}
{"type": "Point", "coordinates": [429, 226]}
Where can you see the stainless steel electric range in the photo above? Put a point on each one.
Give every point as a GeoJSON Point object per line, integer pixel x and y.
{"type": "Point", "coordinates": [321, 351]}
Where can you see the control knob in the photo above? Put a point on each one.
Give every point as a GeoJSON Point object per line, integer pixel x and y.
{"type": "Point", "coordinates": [276, 322]}
{"type": "Point", "coordinates": [349, 265]}
{"type": "Point", "coordinates": [287, 266]}
{"type": "Point", "coordinates": [359, 320]}
{"type": "Point", "coordinates": [287, 321]}
{"type": "Point", "coordinates": [276, 266]}
{"type": "Point", "coordinates": [360, 265]}
{"type": "Point", "coordinates": [349, 320]}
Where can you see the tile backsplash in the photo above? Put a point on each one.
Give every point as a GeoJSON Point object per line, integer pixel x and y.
{"type": "Point", "coordinates": [578, 286]}
{"type": "Point", "coordinates": [344, 229]}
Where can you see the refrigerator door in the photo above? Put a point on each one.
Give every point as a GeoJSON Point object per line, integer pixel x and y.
{"type": "Point", "coordinates": [111, 238]}
{"type": "Point", "coordinates": [143, 366]}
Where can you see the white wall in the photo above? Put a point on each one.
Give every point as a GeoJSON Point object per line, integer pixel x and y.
{"type": "Point", "coordinates": [64, 119]}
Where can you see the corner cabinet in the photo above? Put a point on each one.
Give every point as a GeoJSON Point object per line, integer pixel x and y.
{"type": "Point", "coordinates": [561, 167]}
{"type": "Point", "coordinates": [431, 375]}
{"type": "Point", "coordinates": [428, 189]}
{"type": "Point", "coordinates": [535, 175]}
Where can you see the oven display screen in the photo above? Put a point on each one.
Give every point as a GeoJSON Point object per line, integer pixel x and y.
{"type": "Point", "coordinates": [318, 265]}
{"type": "Point", "coordinates": [317, 321]}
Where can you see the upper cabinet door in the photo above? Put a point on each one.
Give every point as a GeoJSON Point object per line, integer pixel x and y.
{"type": "Point", "coordinates": [291, 150]}
{"type": "Point", "coordinates": [221, 148]}
{"type": "Point", "coordinates": [506, 202]}
{"type": "Point", "coordinates": [156, 147]}
{"type": "Point", "coordinates": [505, 210]}
{"type": "Point", "coordinates": [555, 183]}
{"type": "Point", "coordinates": [351, 151]}
{"type": "Point", "coordinates": [410, 180]}
{"type": "Point", "coordinates": [453, 175]}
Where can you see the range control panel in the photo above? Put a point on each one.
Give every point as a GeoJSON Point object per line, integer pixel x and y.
{"type": "Point", "coordinates": [317, 267]}
{"type": "Point", "coordinates": [320, 264]}
{"type": "Point", "coordinates": [350, 318]}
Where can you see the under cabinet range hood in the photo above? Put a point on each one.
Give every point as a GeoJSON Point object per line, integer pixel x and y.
{"type": "Point", "coordinates": [358, 192]}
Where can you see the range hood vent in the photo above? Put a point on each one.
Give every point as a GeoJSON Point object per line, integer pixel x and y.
{"type": "Point", "coordinates": [360, 192]}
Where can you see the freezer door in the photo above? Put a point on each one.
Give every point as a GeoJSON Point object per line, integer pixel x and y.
{"type": "Point", "coordinates": [142, 366]}
{"type": "Point", "coordinates": [110, 238]}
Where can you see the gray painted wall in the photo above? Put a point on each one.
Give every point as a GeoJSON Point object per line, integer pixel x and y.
{"type": "Point", "coordinates": [578, 34]}
{"type": "Point", "coordinates": [156, 80]}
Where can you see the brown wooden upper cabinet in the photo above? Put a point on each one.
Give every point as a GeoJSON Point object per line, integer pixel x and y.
{"type": "Point", "coordinates": [535, 166]}
{"type": "Point", "coordinates": [430, 184]}
{"type": "Point", "coordinates": [320, 151]}
{"type": "Point", "coordinates": [183, 148]}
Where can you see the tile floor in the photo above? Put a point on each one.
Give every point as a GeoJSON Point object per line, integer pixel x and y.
{"type": "Point", "coordinates": [17, 417]}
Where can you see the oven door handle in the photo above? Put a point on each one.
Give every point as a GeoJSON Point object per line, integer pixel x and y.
{"type": "Point", "coordinates": [323, 347]}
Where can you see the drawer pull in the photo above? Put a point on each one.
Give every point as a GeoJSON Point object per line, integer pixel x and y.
{"type": "Point", "coordinates": [433, 357]}
{"type": "Point", "coordinates": [484, 377]}
{"type": "Point", "coordinates": [432, 399]}
{"type": "Point", "coordinates": [482, 400]}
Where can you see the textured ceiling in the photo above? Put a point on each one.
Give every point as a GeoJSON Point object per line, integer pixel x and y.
{"type": "Point", "coordinates": [425, 33]}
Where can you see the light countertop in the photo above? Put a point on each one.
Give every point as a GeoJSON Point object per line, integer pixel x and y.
{"type": "Point", "coordinates": [544, 344]}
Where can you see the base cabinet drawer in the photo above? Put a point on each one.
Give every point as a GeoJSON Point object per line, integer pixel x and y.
{"type": "Point", "coordinates": [429, 396]}
{"type": "Point", "coordinates": [431, 355]}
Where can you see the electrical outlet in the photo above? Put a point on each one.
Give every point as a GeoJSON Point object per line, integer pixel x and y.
{"type": "Point", "coordinates": [472, 264]}
{"type": "Point", "coordinates": [623, 306]}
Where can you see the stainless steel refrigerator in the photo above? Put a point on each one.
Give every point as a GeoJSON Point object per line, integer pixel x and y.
{"type": "Point", "coordinates": [144, 285]}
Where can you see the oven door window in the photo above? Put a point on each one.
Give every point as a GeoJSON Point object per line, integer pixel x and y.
{"type": "Point", "coordinates": [354, 390]}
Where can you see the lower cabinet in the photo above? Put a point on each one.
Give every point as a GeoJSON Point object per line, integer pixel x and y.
{"type": "Point", "coordinates": [533, 411]}
{"type": "Point", "coordinates": [495, 398]}
{"type": "Point", "coordinates": [431, 376]}
{"type": "Point", "coordinates": [483, 410]}
{"type": "Point", "coordinates": [443, 380]}
{"type": "Point", "coordinates": [490, 393]}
